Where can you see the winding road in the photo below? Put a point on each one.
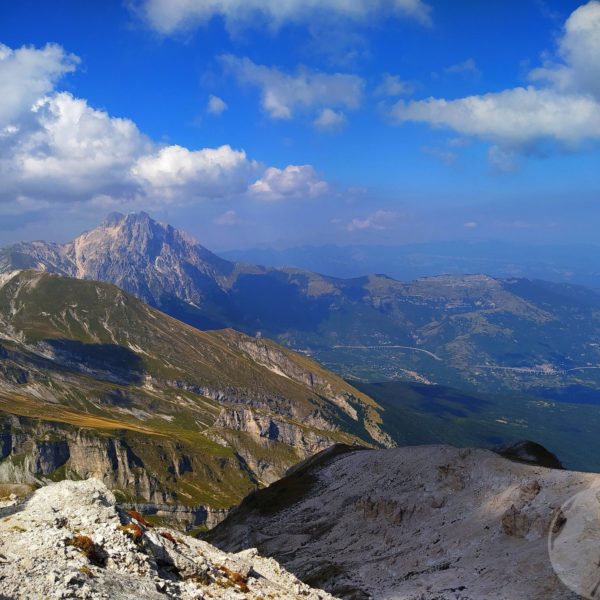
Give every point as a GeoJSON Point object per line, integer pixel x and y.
{"type": "Point", "coordinates": [435, 356]}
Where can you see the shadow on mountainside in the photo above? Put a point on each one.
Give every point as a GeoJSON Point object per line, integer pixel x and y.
{"type": "Point", "coordinates": [109, 362]}
{"type": "Point", "coordinates": [298, 483]}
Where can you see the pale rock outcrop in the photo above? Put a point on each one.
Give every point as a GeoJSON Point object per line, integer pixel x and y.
{"type": "Point", "coordinates": [70, 541]}
{"type": "Point", "coordinates": [413, 523]}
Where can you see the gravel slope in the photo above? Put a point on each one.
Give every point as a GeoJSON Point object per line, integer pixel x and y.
{"type": "Point", "coordinates": [413, 523]}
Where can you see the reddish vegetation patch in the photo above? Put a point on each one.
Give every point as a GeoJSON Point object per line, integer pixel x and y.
{"type": "Point", "coordinates": [133, 530]}
{"type": "Point", "coordinates": [134, 514]}
{"type": "Point", "coordinates": [236, 578]}
{"type": "Point", "coordinates": [168, 536]}
{"type": "Point", "coordinates": [93, 552]}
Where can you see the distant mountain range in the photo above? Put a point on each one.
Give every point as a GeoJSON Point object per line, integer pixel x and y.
{"type": "Point", "coordinates": [566, 263]}
{"type": "Point", "coordinates": [512, 358]}
{"type": "Point", "coordinates": [468, 331]}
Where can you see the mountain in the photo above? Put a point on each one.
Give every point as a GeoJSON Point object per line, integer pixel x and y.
{"type": "Point", "coordinates": [157, 263]}
{"type": "Point", "coordinates": [69, 540]}
{"type": "Point", "coordinates": [432, 522]}
{"type": "Point", "coordinates": [468, 331]}
{"type": "Point", "coordinates": [561, 263]}
{"type": "Point", "coordinates": [93, 382]}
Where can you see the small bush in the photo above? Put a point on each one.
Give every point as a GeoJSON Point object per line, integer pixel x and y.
{"type": "Point", "coordinates": [139, 518]}
{"type": "Point", "coordinates": [92, 551]}
{"type": "Point", "coordinates": [134, 531]}
{"type": "Point", "coordinates": [235, 578]}
{"type": "Point", "coordinates": [86, 571]}
{"type": "Point", "coordinates": [168, 536]}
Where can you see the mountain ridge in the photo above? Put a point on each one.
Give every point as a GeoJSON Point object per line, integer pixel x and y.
{"type": "Point", "coordinates": [490, 334]}
{"type": "Point", "coordinates": [93, 382]}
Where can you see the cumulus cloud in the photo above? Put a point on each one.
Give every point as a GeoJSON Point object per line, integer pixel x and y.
{"type": "Point", "coordinates": [216, 105]}
{"type": "Point", "coordinates": [511, 118]}
{"type": "Point", "coordinates": [578, 67]}
{"type": "Point", "coordinates": [283, 95]}
{"type": "Point", "coordinates": [168, 16]}
{"type": "Point", "coordinates": [210, 172]}
{"type": "Point", "coordinates": [26, 74]}
{"type": "Point", "coordinates": [58, 148]}
{"type": "Point", "coordinates": [561, 108]}
{"type": "Point", "coordinates": [70, 149]}
{"type": "Point", "coordinates": [330, 120]}
{"type": "Point", "coordinates": [377, 221]}
{"type": "Point", "coordinates": [292, 182]}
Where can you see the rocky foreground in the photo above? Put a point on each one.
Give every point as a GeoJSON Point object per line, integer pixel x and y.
{"type": "Point", "coordinates": [70, 541]}
{"type": "Point", "coordinates": [419, 523]}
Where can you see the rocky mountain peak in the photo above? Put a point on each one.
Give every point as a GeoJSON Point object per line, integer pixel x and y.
{"type": "Point", "coordinates": [134, 232]}
{"type": "Point", "coordinates": [112, 219]}
{"type": "Point", "coordinates": [145, 257]}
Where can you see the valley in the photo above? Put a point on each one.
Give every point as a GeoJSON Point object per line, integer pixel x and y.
{"type": "Point", "coordinates": [417, 414]}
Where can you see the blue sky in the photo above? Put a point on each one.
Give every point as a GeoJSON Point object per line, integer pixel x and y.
{"type": "Point", "coordinates": [255, 122]}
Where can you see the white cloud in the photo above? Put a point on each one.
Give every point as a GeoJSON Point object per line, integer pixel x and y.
{"type": "Point", "coordinates": [69, 148]}
{"type": "Point", "coordinates": [292, 182]}
{"type": "Point", "coordinates": [392, 85]}
{"type": "Point", "coordinates": [216, 105]}
{"type": "Point", "coordinates": [59, 149]}
{"type": "Point", "coordinates": [579, 51]}
{"type": "Point", "coordinates": [330, 120]}
{"type": "Point", "coordinates": [471, 225]}
{"type": "Point", "coordinates": [26, 74]}
{"type": "Point", "coordinates": [444, 155]}
{"type": "Point", "coordinates": [283, 94]}
{"type": "Point", "coordinates": [377, 221]}
{"type": "Point", "coordinates": [169, 16]}
{"type": "Point", "coordinates": [512, 118]}
{"type": "Point", "coordinates": [210, 172]}
{"type": "Point", "coordinates": [564, 113]}
{"type": "Point", "coordinates": [502, 160]}
{"type": "Point", "coordinates": [229, 217]}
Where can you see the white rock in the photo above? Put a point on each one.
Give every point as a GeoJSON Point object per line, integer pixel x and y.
{"type": "Point", "coordinates": [38, 565]}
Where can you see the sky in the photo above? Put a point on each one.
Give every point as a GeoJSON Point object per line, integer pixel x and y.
{"type": "Point", "coordinates": [255, 122]}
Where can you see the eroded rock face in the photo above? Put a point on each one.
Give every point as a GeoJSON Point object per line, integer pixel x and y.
{"type": "Point", "coordinates": [35, 452]}
{"type": "Point", "coordinates": [31, 451]}
{"type": "Point", "coordinates": [69, 541]}
{"type": "Point", "coordinates": [418, 523]}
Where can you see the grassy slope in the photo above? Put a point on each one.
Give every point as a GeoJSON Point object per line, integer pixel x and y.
{"type": "Point", "coordinates": [96, 358]}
